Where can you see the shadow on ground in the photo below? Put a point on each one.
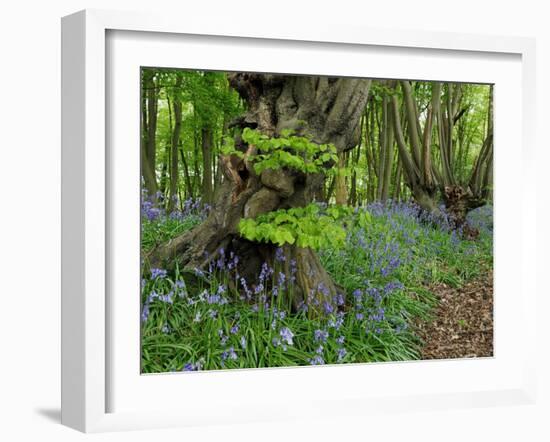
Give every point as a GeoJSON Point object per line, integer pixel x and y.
{"type": "Point", "coordinates": [51, 414]}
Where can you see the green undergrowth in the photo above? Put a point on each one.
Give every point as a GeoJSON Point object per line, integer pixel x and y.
{"type": "Point", "coordinates": [385, 267]}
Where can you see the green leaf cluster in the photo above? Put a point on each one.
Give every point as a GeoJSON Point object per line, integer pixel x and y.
{"type": "Point", "coordinates": [288, 150]}
{"type": "Point", "coordinates": [304, 226]}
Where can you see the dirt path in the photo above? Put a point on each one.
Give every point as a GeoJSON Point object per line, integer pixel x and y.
{"type": "Point", "coordinates": [463, 321]}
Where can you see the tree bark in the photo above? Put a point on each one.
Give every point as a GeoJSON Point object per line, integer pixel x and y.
{"type": "Point", "coordinates": [341, 188]}
{"type": "Point", "coordinates": [327, 110]}
{"type": "Point", "coordinates": [389, 141]}
{"type": "Point", "coordinates": [149, 129]}
{"type": "Point", "coordinates": [175, 140]}
{"type": "Point", "coordinates": [207, 137]}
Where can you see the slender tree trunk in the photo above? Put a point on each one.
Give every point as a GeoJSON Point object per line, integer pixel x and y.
{"type": "Point", "coordinates": [355, 160]}
{"type": "Point", "coordinates": [383, 143]}
{"type": "Point", "coordinates": [164, 172]}
{"type": "Point", "coordinates": [175, 141]}
{"type": "Point", "coordinates": [397, 188]}
{"type": "Point", "coordinates": [188, 183]}
{"type": "Point", "coordinates": [207, 137]}
{"type": "Point", "coordinates": [389, 141]}
{"type": "Point", "coordinates": [341, 188]}
{"type": "Point", "coordinates": [412, 121]}
{"type": "Point", "coordinates": [330, 189]}
{"type": "Point", "coordinates": [149, 129]}
{"type": "Point", "coordinates": [369, 153]}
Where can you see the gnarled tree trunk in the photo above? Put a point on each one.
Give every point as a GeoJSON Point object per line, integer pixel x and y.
{"type": "Point", "coordinates": [327, 110]}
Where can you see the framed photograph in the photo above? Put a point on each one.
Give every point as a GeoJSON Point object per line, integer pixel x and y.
{"type": "Point", "coordinates": [291, 223]}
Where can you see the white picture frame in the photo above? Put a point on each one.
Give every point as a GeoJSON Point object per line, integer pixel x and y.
{"type": "Point", "coordinates": [87, 349]}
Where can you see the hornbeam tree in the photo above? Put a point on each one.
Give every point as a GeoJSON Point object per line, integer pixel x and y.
{"type": "Point", "coordinates": [293, 132]}
{"type": "Point", "coordinates": [426, 177]}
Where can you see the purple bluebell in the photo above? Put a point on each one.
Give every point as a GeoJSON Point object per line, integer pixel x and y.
{"type": "Point", "coordinates": [317, 360]}
{"type": "Point", "coordinates": [145, 312]}
{"type": "Point", "coordinates": [279, 255]}
{"type": "Point", "coordinates": [286, 335]}
{"type": "Point", "coordinates": [328, 308]}
{"type": "Point", "coordinates": [229, 354]}
{"type": "Point", "coordinates": [158, 273]}
{"type": "Point", "coordinates": [341, 353]}
{"type": "Point", "coordinates": [320, 335]}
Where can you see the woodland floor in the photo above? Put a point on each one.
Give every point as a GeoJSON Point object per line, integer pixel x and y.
{"type": "Point", "coordinates": [463, 322]}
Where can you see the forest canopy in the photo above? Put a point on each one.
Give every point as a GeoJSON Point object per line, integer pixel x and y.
{"type": "Point", "coordinates": [186, 115]}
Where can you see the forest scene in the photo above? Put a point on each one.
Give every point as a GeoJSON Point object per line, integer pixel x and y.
{"type": "Point", "coordinates": [298, 220]}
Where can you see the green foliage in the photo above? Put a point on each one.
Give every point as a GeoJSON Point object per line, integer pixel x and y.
{"type": "Point", "coordinates": [228, 148]}
{"type": "Point", "coordinates": [304, 226]}
{"type": "Point", "coordinates": [288, 150]}
{"type": "Point", "coordinates": [207, 103]}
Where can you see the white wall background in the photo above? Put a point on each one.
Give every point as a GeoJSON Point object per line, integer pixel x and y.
{"type": "Point", "coordinates": [30, 215]}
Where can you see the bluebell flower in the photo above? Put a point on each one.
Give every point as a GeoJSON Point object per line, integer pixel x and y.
{"type": "Point", "coordinates": [327, 308]}
{"type": "Point", "coordinates": [286, 335]}
{"type": "Point", "coordinates": [317, 360]}
{"type": "Point", "coordinates": [337, 322]}
{"type": "Point", "coordinates": [158, 273]}
{"type": "Point", "coordinates": [259, 288]}
{"type": "Point", "coordinates": [279, 255]}
{"type": "Point", "coordinates": [152, 296]}
{"type": "Point", "coordinates": [213, 299]}
{"type": "Point", "coordinates": [145, 312]}
{"type": "Point", "coordinates": [229, 354]}
{"type": "Point", "coordinates": [320, 335]}
{"type": "Point", "coordinates": [167, 298]}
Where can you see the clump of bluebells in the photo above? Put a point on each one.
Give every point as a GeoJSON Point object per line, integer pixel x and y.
{"type": "Point", "coordinates": [221, 320]}
{"type": "Point", "coordinates": [402, 242]}
{"type": "Point", "coordinates": [158, 225]}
